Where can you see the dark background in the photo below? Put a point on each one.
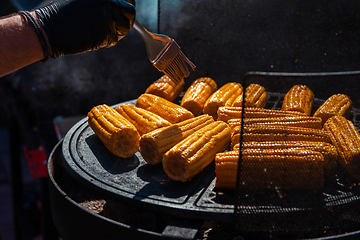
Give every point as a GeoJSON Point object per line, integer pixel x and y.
{"type": "Point", "coordinates": [225, 39]}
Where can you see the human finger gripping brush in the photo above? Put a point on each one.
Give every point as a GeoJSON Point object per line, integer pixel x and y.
{"type": "Point", "coordinates": [165, 54]}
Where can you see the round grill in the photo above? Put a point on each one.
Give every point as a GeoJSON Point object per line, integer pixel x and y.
{"type": "Point", "coordinates": [132, 181]}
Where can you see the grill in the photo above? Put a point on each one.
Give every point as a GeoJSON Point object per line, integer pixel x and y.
{"type": "Point", "coordinates": [335, 207]}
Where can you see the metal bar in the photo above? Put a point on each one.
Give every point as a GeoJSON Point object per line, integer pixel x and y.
{"type": "Point", "coordinates": [238, 177]}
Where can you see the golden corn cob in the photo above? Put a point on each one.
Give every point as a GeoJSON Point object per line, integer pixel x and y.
{"type": "Point", "coordinates": [115, 131]}
{"type": "Point", "coordinates": [226, 113]}
{"type": "Point", "coordinates": [155, 144]}
{"type": "Point", "coordinates": [224, 96]}
{"type": "Point", "coordinates": [190, 156]}
{"type": "Point", "coordinates": [346, 138]}
{"type": "Point", "coordinates": [260, 132]}
{"type": "Point", "coordinates": [170, 111]}
{"type": "Point", "coordinates": [166, 88]}
{"type": "Point", "coordinates": [288, 169]}
{"type": "Point", "coordinates": [326, 149]}
{"type": "Point", "coordinates": [297, 121]}
{"type": "Point", "coordinates": [299, 98]}
{"type": "Point", "coordinates": [196, 95]}
{"type": "Point", "coordinates": [143, 120]}
{"type": "Point", "coordinates": [336, 105]}
{"type": "Point", "coordinates": [255, 96]}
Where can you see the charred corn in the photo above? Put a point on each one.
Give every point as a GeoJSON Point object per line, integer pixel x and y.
{"type": "Point", "coordinates": [226, 113]}
{"type": "Point", "coordinates": [115, 131]}
{"type": "Point", "coordinates": [255, 96]}
{"type": "Point", "coordinates": [155, 144]}
{"type": "Point", "coordinates": [190, 156]}
{"type": "Point", "coordinates": [346, 138]}
{"type": "Point", "coordinates": [166, 88]}
{"type": "Point", "coordinates": [297, 121]}
{"type": "Point", "coordinates": [170, 111]}
{"type": "Point", "coordinates": [261, 132]}
{"type": "Point", "coordinates": [336, 105]}
{"type": "Point", "coordinates": [224, 96]}
{"type": "Point", "coordinates": [196, 95]}
{"type": "Point", "coordinates": [299, 98]}
{"type": "Point", "coordinates": [143, 120]}
{"type": "Point", "coordinates": [326, 149]}
{"type": "Point", "coordinates": [288, 169]}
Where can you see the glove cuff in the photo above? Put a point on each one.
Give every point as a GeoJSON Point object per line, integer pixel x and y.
{"type": "Point", "coordinates": [39, 32]}
{"type": "Point", "coordinates": [44, 18]}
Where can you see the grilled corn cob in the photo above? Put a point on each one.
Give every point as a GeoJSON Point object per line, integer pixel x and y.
{"type": "Point", "coordinates": [196, 95]}
{"type": "Point", "coordinates": [326, 149]}
{"type": "Point", "coordinates": [226, 113]}
{"type": "Point", "coordinates": [260, 132]}
{"type": "Point", "coordinates": [166, 88]}
{"type": "Point", "coordinates": [336, 105]}
{"type": "Point", "coordinates": [255, 96]}
{"type": "Point", "coordinates": [143, 120]}
{"type": "Point", "coordinates": [115, 131]}
{"type": "Point", "coordinates": [294, 169]}
{"type": "Point", "coordinates": [297, 121]}
{"type": "Point", "coordinates": [224, 96]}
{"type": "Point", "coordinates": [346, 138]}
{"type": "Point", "coordinates": [299, 98]}
{"type": "Point", "coordinates": [155, 144]}
{"type": "Point", "coordinates": [170, 111]}
{"type": "Point", "coordinates": [190, 156]}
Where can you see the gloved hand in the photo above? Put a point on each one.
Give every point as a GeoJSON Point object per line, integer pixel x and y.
{"type": "Point", "coordinates": [76, 26]}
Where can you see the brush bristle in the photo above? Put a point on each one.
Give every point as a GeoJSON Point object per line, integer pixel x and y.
{"type": "Point", "coordinates": [172, 61]}
{"type": "Point", "coordinates": [177, 69]}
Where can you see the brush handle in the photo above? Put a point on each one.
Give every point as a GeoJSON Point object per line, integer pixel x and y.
{"type": "Point", "coordinates": [145, 34]}
{"type": "Point", "coordinates": [155, 43]}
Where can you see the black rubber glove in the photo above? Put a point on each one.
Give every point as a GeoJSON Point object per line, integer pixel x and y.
{"type": "Point", "coordinates": [76, 26]}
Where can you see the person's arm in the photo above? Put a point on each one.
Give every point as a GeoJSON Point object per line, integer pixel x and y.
{"type": "Point", "coordinates": [19, 43]}
{"type": "Point", "coordinates": [66, 27]}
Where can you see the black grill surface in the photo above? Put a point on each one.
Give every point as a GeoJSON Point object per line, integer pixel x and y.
{"type": "Point", "coordinates": [134, 181]}
{"type": "Point", "coordinates": [334, 206]}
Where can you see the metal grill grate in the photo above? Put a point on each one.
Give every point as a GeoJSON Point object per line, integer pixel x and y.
{"type": "Point", "coordinates": [334, 206]}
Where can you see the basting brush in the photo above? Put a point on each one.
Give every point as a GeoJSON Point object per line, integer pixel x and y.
{"type": "Point", "coordinates": [165, 54]}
